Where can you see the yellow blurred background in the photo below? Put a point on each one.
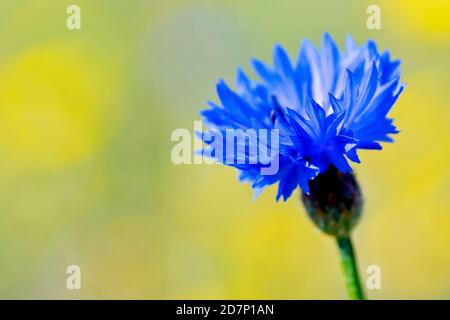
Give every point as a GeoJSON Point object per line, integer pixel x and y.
{"type": "Point", "coordinates": [86, 176]}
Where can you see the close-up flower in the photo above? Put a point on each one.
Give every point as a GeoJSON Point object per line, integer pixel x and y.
{"type": "Point", "coordinates": [324, 108]}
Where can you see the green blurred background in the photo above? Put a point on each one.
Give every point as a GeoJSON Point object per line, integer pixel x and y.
{"type": "Point", "coordinates": [86, 176]}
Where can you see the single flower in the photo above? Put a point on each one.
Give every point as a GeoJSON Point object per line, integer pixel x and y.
{"type": "Point", "coordinates": [323, 109]}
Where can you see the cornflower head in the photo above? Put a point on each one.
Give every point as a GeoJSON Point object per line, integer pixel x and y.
{"type": "Point", "coordinates": [324, 107]}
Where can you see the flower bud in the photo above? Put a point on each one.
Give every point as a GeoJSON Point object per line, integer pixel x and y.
{"type": "Point", "coordinates": [334, 203]}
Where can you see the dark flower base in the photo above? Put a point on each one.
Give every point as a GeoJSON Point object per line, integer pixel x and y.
{"type": "Point", "coordinates": [334, 203]}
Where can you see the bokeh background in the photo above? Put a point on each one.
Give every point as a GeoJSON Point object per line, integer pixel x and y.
{"type": "Point", "coordinates": [86, 176]}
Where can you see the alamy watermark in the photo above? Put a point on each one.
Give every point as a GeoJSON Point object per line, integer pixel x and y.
{"type": "Point", "coordinates": [373, 281]}
{"type": "Point", "coordinates": [258, 147]}
{"type": "Point", "coordinates": [374, 19]}
{"type": "Point", "coordinates": [73, 281]}
{"type": "Point", "coordinates": [73, 21]}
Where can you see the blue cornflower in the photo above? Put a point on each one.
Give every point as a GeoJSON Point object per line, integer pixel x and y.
{"type": "Point", "coordinates": [324, 108]}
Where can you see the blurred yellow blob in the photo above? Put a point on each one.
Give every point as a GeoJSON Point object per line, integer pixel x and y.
{"type": "Point", "coordinates": [51, 106]}
{"type": "Point", "coordinates": [428, 18]}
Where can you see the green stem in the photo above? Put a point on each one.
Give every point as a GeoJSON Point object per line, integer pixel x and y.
{"type": "Point", "coordinates": [350, 268]}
